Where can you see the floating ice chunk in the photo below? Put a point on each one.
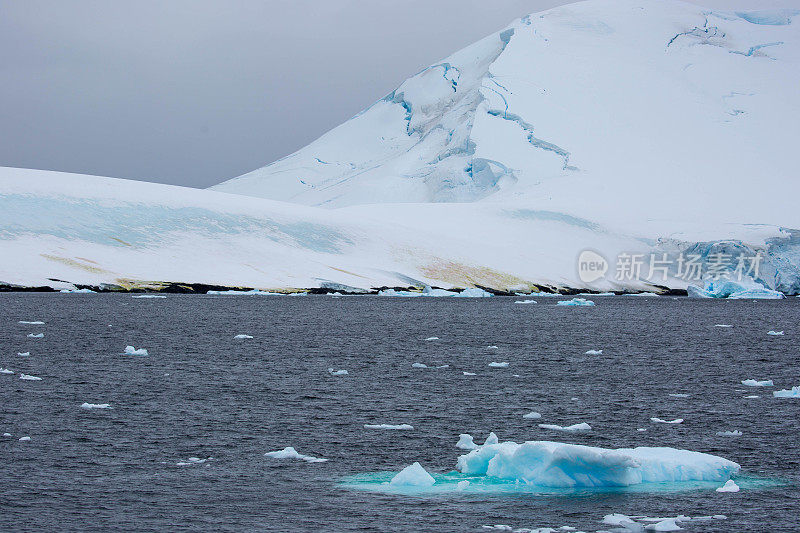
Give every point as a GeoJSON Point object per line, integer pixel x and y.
{"type": "Point", "coordinates": [576, 302]}
{"type": "Point", "coordinates": [399, 294]}
{"type": "Point", "coordinates": [669, 524]}
{"type": "Point", "coordinates": [661, 421]}
{"type": "Point", "coordinates": [193, 461]}
{"type": "Point", "coordinates": [679, 395]}
{"type": "Point", "coordinates": [35, 335]}
{"type": "Point", "coordinates": [583, 426]}
{"type": "Point", "coordinates": [78, 291]}
{"type": "Point", "coordinates": [437, 293]}
{"type": "Point", "coordinates": [413, 476]}
{"type": "Point", "coordinates": [27, 377]}
{"type": "Point", "coordinates": [130, 350]}
{"type": "Point", "coordinates": [419, 365]}
{"type": "Point", "coordinates": [645, 294]}
{"type": "Point", "coordinates": [95, 406]}
{"type": "Point", "coordinates": [149, 296]}
{"type": "Point", "coordinates": [723, 326]}
{"type": "Point", "coordinates": [32, 322]}
{"type": "Point", "coordinates": [469, 373]}
{"type": "Point", "coordinates": [492, 347]}
{"type": "Point", "coordinates": [736, 290]}
{"type": "Point", "coordinates": [753, 396]}
{"type": "Point", "coordinates": [334, 372]}
{"type": "Point", "coordinates": [593, 352]}
{"type": "Point", "coordinates": [495, 364]}
{"type": "Point", "coordinates": [617, 519]}
{"type": "Point", "coordinates": [729, 486]}
{"type": "Point", "coordinates": [734, 433]}
{"type": "Point", "coordinates": [553, 464]}
{"type": "Point", "coordinates": [23, 354]}
{"type": "Point", "coordinates": [526, 302]}
{"type": "Point", "coordinates": [388, 426]}
{"type": "Point", "coordinates": [755, 383]}
{"type": "Point", "coordinates": [6, 434]}
{"type": "Point", "coordinates": [794, 392]}
{"type": "Point", "coordinates": [641, 429]}
{"type": "Point", "coordinates": [465, 442]}
{"type": "Point", "coordinates": [770, 332]}
{"type": "Point", "coordinates": [462, 485]}
{"type": "Point", "coordinates": [243, 336]}
{"type": "Point", "coordinates": [253, 292]}
{"type": "Point", "coordinates": [24, 439]}
{"type": "Point", "coordinates": [474, 293]}
{"type": "Point", "coordinates": [291, 453]}
{"type": "Point", "coordinates": [491, 439]}
{"type": "Point", "coordinates": [432, 339]}
{"type": "Point", "coordinates": [532, 414]}
{"type": "Point", "coordinates": [6, 371]}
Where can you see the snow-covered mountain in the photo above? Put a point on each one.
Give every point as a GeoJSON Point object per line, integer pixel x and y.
{"type": "Point", "coordinates": [622, 129]}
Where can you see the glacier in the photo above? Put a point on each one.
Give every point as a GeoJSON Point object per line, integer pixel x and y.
{"type": "Point", "coordinates": [629, 127]}
{"type": "Point", "coordinates": [554, 464]}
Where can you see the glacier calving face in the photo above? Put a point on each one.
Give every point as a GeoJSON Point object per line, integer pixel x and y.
{"type": "Point", "coordinates": [554, 464]}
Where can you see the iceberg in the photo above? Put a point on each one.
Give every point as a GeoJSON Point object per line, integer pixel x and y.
{"type": "Point", "coordinates": [583, 426]}
{"type": "Point", "coordinates": [6, 371]}
{"type": "Point", "coordinates": [413, 476]}
{"type": "Point", "coordinates": [495, 364]}
{"type": "Point", "coordinates": [491, 439]}
{"type": "Point", "coordinates": [334, 372]}
{"type": "Point", "coordinates": [794, 392]}
{"type": "Point", "coordinates": [130, 350]}
{"type": "Point", "coordinates": [468, 373]}
{"type": "Point", "coordinates": [148, 296]}
{"type": "Point", "coordinates": [729, 486]}
{"type": "Point", "coordinates": [668, 524]}
{"type": "Point", "coordinates": [755, 383]}
{"type": "Point", "coordinates": [86, 405]}
{"type": "Point", "coordinates": [734, 433]}
{"type": "Point", "coordinates": [243, 336]}
{"type": "Point", "coordinates": [77, 291]}
{"type": "Point", "coordinates": [35, 335]}
{"type": "Point", "coordinates": [253, 292]}
{"type": "Point", "coordinates": [533, 415]}
{"type": "Point", "coordinates": [24, 354]}
{"type": "Point", "coordinates": [661, 421]}
{"type": "Point", "coordinates": [593, 352]}
{"type": "Point", "coordinates": [734, 290]}
{"type": "Point", "coordinates": [389, 426]}
{"type": "Point", "coordinates": [432, 339]}
{"type": "Point", "coordinates": [24, 439]}
{"type": "Point", "coordinates": [723, 326]}
{"type": "Point", "coordinates": [32, 322]}
{"type": "Point", "coordinates": [27, 377]}
{"type": "Point", "coordinates": [465, 442]}
{"type": "Point", "coordinates": [526, 302]}
{"type": "Point", "coordinates": [419, 365]}
{"type": "Point", "coordinates": [554, 464]}
{"type": "Point", "coordinates": [291, 453]}
{"type": "Point", "coordinates": [771, 332]}
{"type": "Point", "coordinates": [437, 293]}
{"type": "Point", "coordinates": [577, 302]}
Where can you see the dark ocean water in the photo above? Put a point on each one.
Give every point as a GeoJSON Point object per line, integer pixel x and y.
{"type": "Point", "coordinates": [201, 393]}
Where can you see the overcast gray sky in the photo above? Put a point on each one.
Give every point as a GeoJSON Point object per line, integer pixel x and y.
{"type": "Point", "coordinates": [193, 92]}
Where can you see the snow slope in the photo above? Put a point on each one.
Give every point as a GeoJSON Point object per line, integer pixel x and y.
{"type": "Point", "coordinates": [616, 111]}
{"type": "Point", "coordinates": [632, 126]}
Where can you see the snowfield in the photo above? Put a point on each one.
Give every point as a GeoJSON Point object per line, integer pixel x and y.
{"type": "Point", "coordinates": [623, 127]}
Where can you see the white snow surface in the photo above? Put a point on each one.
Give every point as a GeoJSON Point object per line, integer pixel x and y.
{"type": "Point", "coordinates": [494, 167]}
{"type": "Point", "coordinates": [554, 464]}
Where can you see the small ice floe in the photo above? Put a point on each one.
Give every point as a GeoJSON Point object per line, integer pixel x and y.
{"type": "Point", "coordinates": [253, 292]}
{"type": "Point", "coordinates": [23, 354]}
{"type": "Point", "coordinates": [35, 335]}
{"type": "Point", "coordinates": [32, 322]}
{"type": "Point", "coordinates": [432, 339]}
{"type": "Point", "coordinates": [526, 302]}
{"type": "Point", "coordinates": [641, 429]}
{"type": "Point", "coordinates": [462, 485]}
{"type": "Point", "coordinates": [419, 365]}
{"type": "Point", "coordinates": [794, 392]}
{"type": "Point", "coordinates": [593, 352]}
{"type": "Point", "coordinates": [751, 396]}
{"type": "Point", "coordinates": [532, 414]}
{"type": "Point", "coordinates": [442, 366]}
{"type": "Point", "coordinates": [668, 524]}
{"type": "Point", "coordinates": [334, 372]}
{"type": "Point", "coordinates": [492, 347]}
{"type": "Point", "coordinates": [495, 364]}
{"type": "Point", "coordinates": [389, 426]}
{"type": "Point", "coordinates": [6, 371]}
{"type": "Point", "coordinates": [756, 383]}
{"type": "Point", "coordinates": [130, 350]}
{"type": "Point", "coordinates": [149, 296]}
{"type": "Point", "coordinates": [734, 433]}
{"type": "Point", "coordinates": [577, 302]}
{"type": "Point", "coordinates": [86, 405]}
{"type": "Point", "coordinates": [24, 439]}
{"type": "Point", "coordinates": [469, 373]}
{"type": "Point", "coordinates": [583, 426]}
{"type": "Point", "coordinates": [723, 326]}
{"type": "Point", "coordinates": [617, 519]}
{"type": "Point", "coordinates": [729, 486]}
{"type": "Point", "coordinates": [6, 434]}
{"type": "Point", "coordinates": [645, 294]}
{"type": "Point", "coordinates": [27, 377]}
{"type": "Point", "coordinates": [661, 421]}
{"type": "Point", "coordinates": [679, 395]}
{"type": "Point", "coordinates": [413, 476]}
{"type": "Point", "coordinates": [773, 333]}
{"type": "Point", "coordinates": [242, 336]}
{"type": "Point", "coordinates": [465, 442]}
{"type": "Point", "coordinates": [193, 461]}
{"type": "Point", "coordinates": [291, 453]}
